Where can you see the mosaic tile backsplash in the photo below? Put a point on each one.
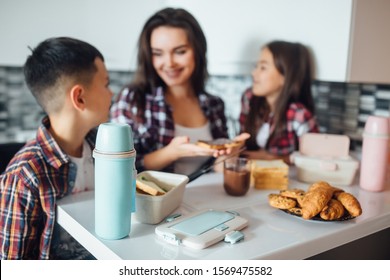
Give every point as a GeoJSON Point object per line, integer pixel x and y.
{"type": "Point", "coordinates": [341, 108]}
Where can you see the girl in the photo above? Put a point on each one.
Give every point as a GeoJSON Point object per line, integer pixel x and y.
{"type": "Point", "coordinates": [279, 107]}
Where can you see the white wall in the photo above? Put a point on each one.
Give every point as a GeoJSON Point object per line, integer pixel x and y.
{"type": "Point", "coordinates": [112, 26]}
{"type": "Point", "coordinates": [235, 29]}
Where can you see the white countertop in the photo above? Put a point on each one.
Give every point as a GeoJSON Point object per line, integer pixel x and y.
{"type": "Point", "coordinates": [271, 234]}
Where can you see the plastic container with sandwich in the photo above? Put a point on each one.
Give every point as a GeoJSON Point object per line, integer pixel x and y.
{"type": "Point", "coordinates": [153, 209]}
{"type": "Point", "coordinates": [325, 157]}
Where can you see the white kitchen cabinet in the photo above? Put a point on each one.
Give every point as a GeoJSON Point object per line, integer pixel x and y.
{"type": "Point", "coordinates": [369, 55]}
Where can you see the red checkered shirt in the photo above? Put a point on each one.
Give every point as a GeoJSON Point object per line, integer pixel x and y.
{"type": "Point", "coordinates": [299, 121]}
{"type": "Point", "coordinates": [37, 176]}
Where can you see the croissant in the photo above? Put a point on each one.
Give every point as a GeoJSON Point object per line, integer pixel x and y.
{"type": "Point", "coordinates": [350, 203]}
{"type": "Point", "coordinates": [333, 210]}
{"type": "Point", "coordinates": [322, 184]}
{"type": "Point", "coordinates": [316, 199]}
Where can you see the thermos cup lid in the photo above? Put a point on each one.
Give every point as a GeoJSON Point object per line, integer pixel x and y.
{"type": "Point", "coordinates": [377, 127]}
{"type": "Point", "coordinates": [114, 138]}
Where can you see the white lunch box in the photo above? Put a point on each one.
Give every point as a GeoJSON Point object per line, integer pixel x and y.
{"type": "Point", "coordinates": [325, 157]}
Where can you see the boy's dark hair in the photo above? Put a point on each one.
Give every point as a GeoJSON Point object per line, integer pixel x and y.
{"type": "Point", "coordinates": [56, 64]}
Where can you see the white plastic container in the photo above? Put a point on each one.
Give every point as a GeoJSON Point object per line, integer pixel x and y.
{"type": "Point", "coordinates": [153, 209]}
{"type": "Point", "coordinates": [325, 157]}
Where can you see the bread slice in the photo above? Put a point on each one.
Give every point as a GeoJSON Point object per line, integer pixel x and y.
{"type": "Point", "coordinates": [270, 174]}
{"type": "Point", "coordinates": [219, 144]}
{"type": "Point", "coordinates": [148, 187]}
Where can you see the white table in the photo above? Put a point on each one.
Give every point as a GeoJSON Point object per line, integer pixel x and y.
{"type": "Point", "coordinates": [271, 234]}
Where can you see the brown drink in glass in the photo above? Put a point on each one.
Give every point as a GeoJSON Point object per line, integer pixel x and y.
{"type": "Point", "coordinates": [236, 176]}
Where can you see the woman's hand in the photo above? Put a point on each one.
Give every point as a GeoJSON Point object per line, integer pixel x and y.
{"type": "Point", "coordinates": [242, 137]}
{"type": "Point", "coordinates": [180, 146]}
{"type": "Point", "coordinates": [231, 151]}
{"type": "Point", "coordinates": [239, 138]}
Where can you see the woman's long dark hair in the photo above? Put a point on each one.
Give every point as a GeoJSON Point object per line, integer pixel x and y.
{"type": "Point", "coordinates": [146, 78]}
{"type": "Point", "coordinates": [294, 62]}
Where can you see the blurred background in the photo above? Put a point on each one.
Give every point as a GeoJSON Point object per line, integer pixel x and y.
{"type": "Point", "coordinates": [349, 41]}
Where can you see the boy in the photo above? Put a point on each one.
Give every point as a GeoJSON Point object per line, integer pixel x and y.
{"type": "Point", "coordinates": [69, 80]}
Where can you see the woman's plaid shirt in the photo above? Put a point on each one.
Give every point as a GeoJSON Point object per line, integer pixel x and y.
{"type": "Point", "coordinates": [155, 129]}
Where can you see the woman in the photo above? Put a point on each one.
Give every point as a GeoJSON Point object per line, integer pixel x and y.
{"type": "Point", "coordinates": [279, 107]}
{"type": "Point", "coordinates": [166, 104]}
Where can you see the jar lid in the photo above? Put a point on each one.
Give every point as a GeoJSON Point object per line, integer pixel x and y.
{"type": "Point", "coordinates": [378, 127]}
{"type": "Point", "coordinates": [114, 138]}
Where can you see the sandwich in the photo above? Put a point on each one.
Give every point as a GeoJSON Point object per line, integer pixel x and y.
{"type": "Point", "coordinates": [219, 144]}
{"type": "Point", "coordinates": [146, 186]}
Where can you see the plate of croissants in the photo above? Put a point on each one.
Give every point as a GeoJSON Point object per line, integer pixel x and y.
{"type": "Point", "coordinates": [321, 202]}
